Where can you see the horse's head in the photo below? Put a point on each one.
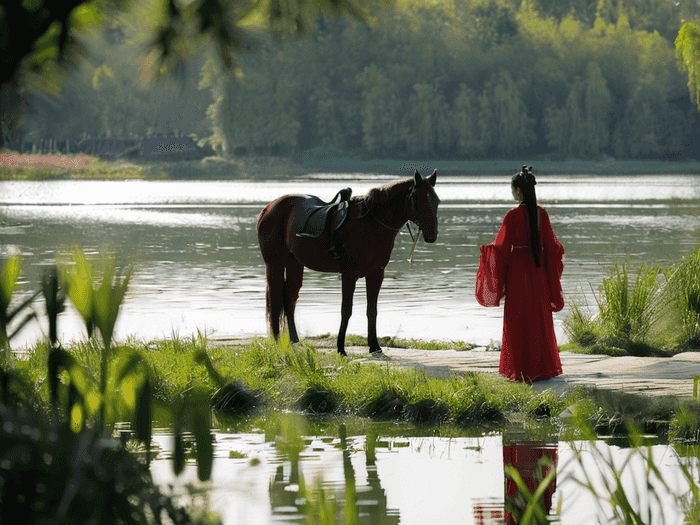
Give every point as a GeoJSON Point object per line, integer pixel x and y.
{"type": "Point", "coordinates": [424, 205]}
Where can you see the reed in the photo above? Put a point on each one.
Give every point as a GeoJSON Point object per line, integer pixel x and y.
{"type": "Point", "coordinates": [683, 298]}
{"type": "Point", "coordinates": [580, 326]}
{"type": "Point", "coordinates": [627, 312]}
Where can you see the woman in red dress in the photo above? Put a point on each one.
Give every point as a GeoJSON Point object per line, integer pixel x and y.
{"type": "Point", "coordinates": [524, 265]}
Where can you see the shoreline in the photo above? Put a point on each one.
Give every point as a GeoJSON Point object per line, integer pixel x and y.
{"type": "Point", "coordinates": [14, 166]}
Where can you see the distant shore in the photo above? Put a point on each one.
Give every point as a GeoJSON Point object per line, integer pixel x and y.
{"type": "Point", "coordinates": [14, 166]}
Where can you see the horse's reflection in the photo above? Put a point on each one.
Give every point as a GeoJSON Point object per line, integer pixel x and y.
{"type": "Point", "coordinates": [368, 504]}
{"type": "Point", "coordinates": [530, 477]}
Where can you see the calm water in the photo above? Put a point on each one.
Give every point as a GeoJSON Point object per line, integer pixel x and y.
{"type": "Point", "coordinates": [419, 480]}
{"type": "Point", "coordinates": [198, 267]}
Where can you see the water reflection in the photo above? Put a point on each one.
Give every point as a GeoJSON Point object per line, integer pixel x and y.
{"type": "Point", "coordinates": [527, 465]}
{"type": "Point", "coordinates": [291, 498]}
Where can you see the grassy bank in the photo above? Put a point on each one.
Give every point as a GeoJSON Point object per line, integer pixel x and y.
{"type": "Point", "coordinates": [264, 376]}
{"type": "Point", "coordinates": [60, 167]}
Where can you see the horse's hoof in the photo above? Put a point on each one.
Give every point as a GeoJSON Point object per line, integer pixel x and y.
{"type": "Point", "coordinates": [342, 353]}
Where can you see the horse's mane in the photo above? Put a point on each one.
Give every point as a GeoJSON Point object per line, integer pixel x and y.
{"type": "Point", "coordinates": [382, 194]}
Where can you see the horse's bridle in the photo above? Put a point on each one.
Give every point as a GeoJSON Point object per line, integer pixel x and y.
{"type": "Point", "coordinates": [412, 211]}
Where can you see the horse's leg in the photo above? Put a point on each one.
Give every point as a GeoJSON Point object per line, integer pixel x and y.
{"type": "Point", "coordinates": [374, 282]}
{"type": "Point", "coordinates": [349, 282]}
{"type": "Point", "coordinates": [292, 284]}
{"type": "Point", "coordinates": [275, 290]}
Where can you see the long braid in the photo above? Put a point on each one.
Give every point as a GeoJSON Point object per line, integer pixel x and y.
{"type": "Point", "coordinates": [525, 180]}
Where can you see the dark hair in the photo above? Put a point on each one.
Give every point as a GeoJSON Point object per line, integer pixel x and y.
{"type": "Point", "coordinates": [525, 181]}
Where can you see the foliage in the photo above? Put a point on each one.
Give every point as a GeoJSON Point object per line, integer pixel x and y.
{"type": "Point", "coordinates": [50, 473]}
{"type": "Point", "coordinates": [8, 281]}
{"type": "Point", "coordinates": [627, 313]}
{"type": "Point", "coordinates": [688, 56]}
{"type": "Point", "coordinates": [395, 342]}
{"type": "Point", "coordinates": [583, 91]}
{"type": "Point", "coordinates": [683, 294]}
{"type": "Point", "coordinates": [59, 462]}
{"type": "Point", "coordinates": [497, 81]}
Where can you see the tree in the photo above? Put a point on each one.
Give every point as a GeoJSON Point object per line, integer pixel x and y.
{"type": "Point", "coordinates": [465, 115]}
{"type": "Point", "coordinates": [381, 110]}
{"type": "Point", "coordinates": [688, 56]}
{"type": "Point", "coordinates": [505, 116]}
{"type": "Point", "coordinates": [40, 38]}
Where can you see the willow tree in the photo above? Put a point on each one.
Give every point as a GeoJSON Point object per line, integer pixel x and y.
{"type": "Point", "coordinates": [688, 56]}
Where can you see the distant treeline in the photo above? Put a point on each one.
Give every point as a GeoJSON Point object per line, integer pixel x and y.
{"type": "Point", "coordinates": [458, 79]}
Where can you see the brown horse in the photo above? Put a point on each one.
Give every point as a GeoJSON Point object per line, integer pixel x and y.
{"type": "Point", "coordinates": [356, 243]}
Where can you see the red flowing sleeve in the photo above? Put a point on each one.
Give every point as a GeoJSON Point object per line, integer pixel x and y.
{"type": "Point", "coordinates": [493, 267]}
{"type": "Point", "coordinates": [554, 262]}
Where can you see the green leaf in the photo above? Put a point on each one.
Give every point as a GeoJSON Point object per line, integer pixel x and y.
{"type": "Point", "coordinates": [58, 360]}
{"type": "Point", "coordinates": [8, 280]}
{"type": "Point", "coordinates": [80, 291]}
{"type": "Point", "coordinates": [143, 416]}
{"type": "Point", "coordinates": [85, 16]}
{"type": "Point", "coordinates": [205, 443]}
{"type": "Point", "coordinates": [179, 447]}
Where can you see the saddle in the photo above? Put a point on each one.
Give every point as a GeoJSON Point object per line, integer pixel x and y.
{"type": "Point", "coordinates": [324, 217]}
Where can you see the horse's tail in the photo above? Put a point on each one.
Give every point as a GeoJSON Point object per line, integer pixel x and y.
{"type": "Point", "coordinates": [270, 228]}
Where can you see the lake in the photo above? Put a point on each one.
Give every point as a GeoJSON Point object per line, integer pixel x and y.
{"type": "Point", "coordinates": [197, 266]}
{"type": "Point", "coordinates": [413, 479]}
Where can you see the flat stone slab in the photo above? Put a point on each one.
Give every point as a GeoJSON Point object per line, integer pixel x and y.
{"type": "Point", "coordinates": [658, 376]}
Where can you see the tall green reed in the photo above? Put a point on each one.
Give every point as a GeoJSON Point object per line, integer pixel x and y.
{"type": "Point", "coordinates": [9, 274]}
{"type": "Point", "coordinates": [683, 296]}
{"type": "Point", "coordinates": [627, 312]}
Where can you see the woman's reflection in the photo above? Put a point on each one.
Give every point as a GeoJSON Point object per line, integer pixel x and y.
{"type": "Point", "coordinates": [530, 477]}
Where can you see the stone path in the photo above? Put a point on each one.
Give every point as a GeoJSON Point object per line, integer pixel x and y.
{"type": "Point", "coordinates": [657, 376]}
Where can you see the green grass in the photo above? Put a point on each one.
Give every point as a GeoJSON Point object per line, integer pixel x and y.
{"type": "Point", "coordinates": [418, 344]}
{"type": "Point", "coordinates": [252, 167]}
{"type": "Point", "coordinates": [274, 376]}
{"type": "Point", "coordinates": [99, 169]}
{"type": "Point", "coordinates": [656, 313]}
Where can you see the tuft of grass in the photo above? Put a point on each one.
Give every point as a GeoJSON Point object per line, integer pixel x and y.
{"type": "Point", "coordinates": [683, 298]}
{"type": "Point", "coordinates": [627, 312]}
{"type": "Point", "coordinates": [581, 327]}
{"type": "Point", "coordinates": [418, 344]}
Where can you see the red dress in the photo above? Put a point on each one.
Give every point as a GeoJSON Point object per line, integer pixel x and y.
{"type": "Point", "coordinates": [507, 268]}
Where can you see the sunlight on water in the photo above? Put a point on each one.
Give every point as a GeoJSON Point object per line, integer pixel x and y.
{"type": "Point", "coordinates": [198, 266]}
{"type": "Point", "coordinates": [419, 480]}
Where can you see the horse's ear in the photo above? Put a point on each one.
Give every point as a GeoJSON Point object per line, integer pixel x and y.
{"type": "Point", "coordinates": [417, 179]}
{"type": "Point", "coordinates": [433, 178]}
